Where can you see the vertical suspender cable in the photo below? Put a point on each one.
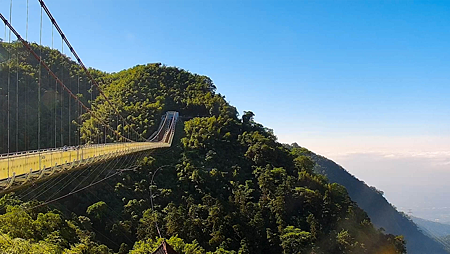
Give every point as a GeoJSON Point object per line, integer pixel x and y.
{"type": "Point", "coordinates": [92, 107]}
{"type": "Point", "coordinates": [56, 106]}
{"type": "Point", "coordinates": [26, 93]}
{"type": "Point", "coordinates": [92, 92]}
{"type": "Point", "coordinates": [9, 83]}
{"type": "Point", "coordinates": [17, 89]}
{"type": "Point", "coordinates": [68, 101]}
{"type": "Point", "coordinates": [17, 101]}
{"type": "Point", "coordinates": [56, 113]}
{"type": "Point", "coordinates": [98, 133]}
{"type": "Point", "coordinates": [6, 95]}
{"type": "Point", "coordinates": [56, 101]}
{"type": "Point", "coordinates": [39, 92]}
{"type": "Point", "coordinates": [62, 79]}
{"type": "Point", "coordinates": [25, 135]}
{"type": "Point", "coordinates": [78, 111]}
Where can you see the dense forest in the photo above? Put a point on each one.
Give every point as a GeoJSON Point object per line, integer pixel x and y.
{"type": "Point", "coordinates": [225, 186]}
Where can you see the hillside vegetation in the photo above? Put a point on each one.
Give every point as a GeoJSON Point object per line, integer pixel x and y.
{"type": "Point", "coordinates": [225, 186]}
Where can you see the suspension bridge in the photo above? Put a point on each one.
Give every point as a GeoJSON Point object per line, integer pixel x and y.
{"type": "Point", "coordinates": [77, 136]}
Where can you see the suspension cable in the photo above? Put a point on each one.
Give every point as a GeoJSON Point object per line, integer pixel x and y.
{"type": "Point", "coordinates": [76, 191]}
{"type": "Point", "coordinates": [82, 65]}
{"type": "Point", "coordinates": [43, 64]}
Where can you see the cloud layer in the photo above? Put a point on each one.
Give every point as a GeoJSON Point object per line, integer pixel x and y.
{"type": "Point", "coordinates": [413, 172]}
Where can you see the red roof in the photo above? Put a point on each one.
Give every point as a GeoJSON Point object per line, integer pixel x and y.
{"type": "Point", "coordinates": [165, 248]}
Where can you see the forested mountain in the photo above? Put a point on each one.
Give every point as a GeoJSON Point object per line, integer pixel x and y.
{"type": "Point", "coordinates": [225, 186]}
{"type": "Point", "coordinates": [381, 212]}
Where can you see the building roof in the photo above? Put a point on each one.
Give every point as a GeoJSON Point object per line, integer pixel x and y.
{"type": "Point", "coordinates": [164, 248]}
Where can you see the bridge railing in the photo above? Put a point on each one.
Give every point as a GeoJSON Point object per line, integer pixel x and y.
{"type": "Point", "coordinates": [26, 153]}
{"type": "Point", "coordinates": [34, 164]}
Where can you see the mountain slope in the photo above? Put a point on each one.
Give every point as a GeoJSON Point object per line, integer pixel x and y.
{"type": "Point", "coordinates": [434, 229]}
{"type": "Point", "coordinates": [438, 231]}
{"type": "Point", "coordinates": [225, 185]}
{"type": "Point", "coordinates": [380, 211]}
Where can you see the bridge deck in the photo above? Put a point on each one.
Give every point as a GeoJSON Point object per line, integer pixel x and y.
{"type": "Point", "coordinates": [26, 163]}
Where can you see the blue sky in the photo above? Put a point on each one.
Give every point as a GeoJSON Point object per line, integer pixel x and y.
{"type": "Point", "coordinates": [338, 77]}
